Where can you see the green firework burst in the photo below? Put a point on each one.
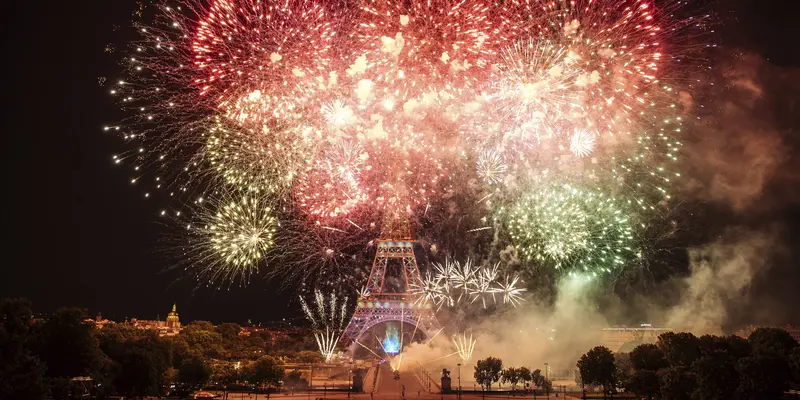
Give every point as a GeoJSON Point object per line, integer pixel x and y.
{"type": "Point", "coordinates": [571, 229]}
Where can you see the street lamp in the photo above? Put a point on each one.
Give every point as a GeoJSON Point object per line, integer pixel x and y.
{"type": "Point", "coordinates": [546, 379]}
{"type": "Point", "coordinates": [459, 381]}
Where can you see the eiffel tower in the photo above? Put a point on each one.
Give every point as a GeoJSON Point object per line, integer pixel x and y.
{"type": "Point", "coordinates": [386, 296]}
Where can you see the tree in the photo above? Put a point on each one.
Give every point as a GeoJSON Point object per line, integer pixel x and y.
{"type": "Point", "coordinates": [597, 367]}
{"type": "Point", "coordinates": [487, 371]}
{"type": "Point", "coordinates": [225, 374]}
{"type": "Point", "coordinates": [764, 376]}
{"type": "Point", "coordinates": [540, 381]}
{"type": "Point", "coordinates": [716, 376]}
{"type": "Point", "coordinates": [624, 368]}
{"type": "Point", "coordinates": [140, 362]}
{"type": "Point", "coordinates": [644, 382]}
{"type": "Point", "coordinates": [21, 372]}
{"type": "Point", "coordinates": [676, 384]}
{"type": "Point", "coordinates": [229, 331]}
{"type": "Point", "coordinates": [680, 349]}
{"type": "Point", "coordinates": [736, 346]}
{"type": "Point", "coordinates": [68, 345]}
{"type": "Point", "coordinates": [525, 375]}
{"type": "Point", "coordinates": [772, 340]}
{"type": "Point", "coordinates": [194, 372]}
{"type": "Point", "coordinates": [647, 357]}
{"type": "Point", "coordinates": [203, 338]}
{"type": "Point", "coordinates": [510, 375]}
{"type": "Point", "coordinates": [794, 364]}
{"type": "Point", "coordinates": [266, 371]}
{"type": "Point", "coordinates": [307, 356]}
{"type": "Point", "coordinates": [295, 380]}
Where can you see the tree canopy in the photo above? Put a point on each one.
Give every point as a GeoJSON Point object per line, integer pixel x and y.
{"type": "Point", "coordinates": [487, 371]}
{"type": "Point", "coordinates": [598, 367]}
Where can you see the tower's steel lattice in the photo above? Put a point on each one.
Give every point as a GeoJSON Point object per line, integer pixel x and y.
{"type": "Point", "coordinates": [382, 305]}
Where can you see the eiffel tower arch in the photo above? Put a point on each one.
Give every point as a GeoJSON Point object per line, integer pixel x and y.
{"type": "Point", "coordinates": [394, 270]}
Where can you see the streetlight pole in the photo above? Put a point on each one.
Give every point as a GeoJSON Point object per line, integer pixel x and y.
{"type": "Point", "coordinates": [459, 381]}
{"type": "Point", "coordinates": [546, 380]}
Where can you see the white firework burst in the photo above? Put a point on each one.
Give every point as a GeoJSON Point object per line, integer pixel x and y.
{"type": "Point", "coordinates": [337, 113]}
{"type": "Point", "coordinates": [511, 293]}
{"type": "Point", "coordinates": [491, 166]}
{"type": "Point", "coordinates": [581, 143]}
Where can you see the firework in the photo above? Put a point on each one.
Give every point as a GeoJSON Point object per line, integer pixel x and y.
{"type": "Point", "coordinates": [328, 318]}
{"type": "Point", "coordinates": [491, 167]}
{"type": "Point", "coordinates": [465, 345]}
{"type": "Point", "coordinates": [429, 46]}
{"type": "Point", "coordinates": [451, 283]}
{"type": "Point", "coordinates": [231, 237]}
{"type": "Point", "coordinates": [279, 49]}
{"type": "Point", "coordinates": [571, 228]}
{"type": "Point", "coordinates": [344, 119]}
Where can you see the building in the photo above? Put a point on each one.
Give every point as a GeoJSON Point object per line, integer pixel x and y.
{"type": "Point", "coordinates": [624, 339]}
{"type": "Point", "coordinates": [170, 327]}
{"type": "Point", "coordinates": [747, 330]}
{"type": "Point", "coordinates": [173, 322]}
{"type": "Point", "coordinates": [99, 321]}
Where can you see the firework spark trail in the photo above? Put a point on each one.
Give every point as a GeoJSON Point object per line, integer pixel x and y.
{"type": "Point", "coordinates": [465, 345]}
{"type": "Point", "coordinates": [370, 350]}
{"type": "Point", "coordinates": [328, 320]}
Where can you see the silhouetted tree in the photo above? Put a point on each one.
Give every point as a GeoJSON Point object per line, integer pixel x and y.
{"type": "Point", "coordinates": [540, 381]}
{"type": "Point", "coordinates": [735, 346]}
{"type": "Point", "coordinates": [716, 376]}
{"type": "Point", "coordinates": [203, 338]}
{"type": "Point", "coordinates": [680, 349]}
{"type": "Point", "coordinates": [794, 364]}
{"type": "Point", "coordinates": [510, 375]}
{"type": "Point", "coordinates": [229, 331]}
{"type": "Point", "coordinates": [194, 372]}
{"type": "Point", "coordinates": [141, 362]}
{"type": "Point", "coordinates": [772, 340]}
{"type": "Point", "coordinates": [225, 374]}
{"type": "Point", "coordinates": [647, 357]}
{"type": "Point", "coordinates": [644, 382]}
{"type": "Point", "coordinates": [764, 376]}
{"type": "Point", "coordinates": [676, 383]}
{"type": "Point", "coordinates": [21, 371]}
{"type": "Point", "coordinates": [624, 368]}
{"type": "Point", "coordinates": [487, 371]}
{"type": "Point", "coordinates": [525, 375]}
{"type": "Point", "coordinates": [68, 345]}
{"type": "Point", "coordinates": [307, 356]}
{"type": "Point", "coordinates": [266, 371]}
{"type": "Point", "coordinates": [597, 367]}
{"type": "Point", "coordinates": [295, 380]}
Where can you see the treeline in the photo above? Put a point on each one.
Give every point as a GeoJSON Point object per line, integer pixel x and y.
{"type": "Point", "coordinates": [490, 371]}
{"type": "Point", "coordinates": [681, 366]}
{"type": "Point", "coordinates": [54, 357]}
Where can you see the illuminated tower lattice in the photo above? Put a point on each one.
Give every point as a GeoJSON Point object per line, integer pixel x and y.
{"type": "Point", "coordinates": [387, 296]}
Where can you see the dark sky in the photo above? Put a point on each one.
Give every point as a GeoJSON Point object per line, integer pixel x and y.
{"type": "Point", "coordinates": [80, 234]}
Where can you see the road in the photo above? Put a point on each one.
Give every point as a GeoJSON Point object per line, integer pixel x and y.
{"type": "Point", "coordinates": [389, 386]}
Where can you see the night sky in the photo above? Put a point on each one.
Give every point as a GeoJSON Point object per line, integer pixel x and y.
{"type": "Point", "coordinates": [82, 236]}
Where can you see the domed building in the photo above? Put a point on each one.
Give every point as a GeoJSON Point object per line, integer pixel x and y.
{"type": "Point", "coordinates": [173, 322]}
